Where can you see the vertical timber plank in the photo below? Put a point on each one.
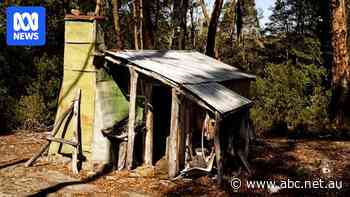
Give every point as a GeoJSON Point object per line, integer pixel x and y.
{"type": "Point", "coordinates": [181, 132]}
{"type": "Point", "coordinates": [76, 149]}
{"type": "Point", "coordinates": [132, 114]}
{"type": "Point", "coordinates": [122, 155]}
{"type": "Point", "coordinates": [217, 145]}
{"type": "Point", "coordinates": [173, 148]}
{"type": "Point", "coordinates": [188, 134]}
{"type": "Point", "coordinates": [148, 160]}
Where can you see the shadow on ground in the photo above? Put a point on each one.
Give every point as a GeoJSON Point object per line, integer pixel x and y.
{"type": "Point", "coordinates": [52, 189]}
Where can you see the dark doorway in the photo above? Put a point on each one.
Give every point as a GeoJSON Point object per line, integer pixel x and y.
{"type": "Point", "coordinates": [161, 120]}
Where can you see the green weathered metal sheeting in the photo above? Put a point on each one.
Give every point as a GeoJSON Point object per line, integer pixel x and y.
{"type": "Point", "coordinates": [103, 104]}
{"type": "Point", "coordinates": [111, 107]}
{"type": "Point", "coordinates": [80, 31]}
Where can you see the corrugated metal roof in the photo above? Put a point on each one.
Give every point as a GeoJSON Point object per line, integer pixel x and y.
{"type": "Point", "coordinates": [182, 66]}
{"type": "Point", "coordinates": [219, 97]}
{"type": "Point", "coordinates": [193, 71]}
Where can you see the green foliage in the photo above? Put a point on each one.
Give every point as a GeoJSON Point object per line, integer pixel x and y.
{"type": "Point", "coordinates": [288, 57]}
{"type": "Point", "coordinates": [39, 106]}
{"type": "Point", "coordinates": [7, 113]}
{"type": "Point", "coordinates": [292, 96]}
{"type": "Point", "coordinates": [291, 89]}
{"type": "Point", "coordinates": [31, 111]}
{"type": "Point", "coordinates": [30, 77]}
{"type": "Point", "coordinates": [49, 72]}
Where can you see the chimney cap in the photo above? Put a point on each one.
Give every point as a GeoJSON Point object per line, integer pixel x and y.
{"type": "Point", "coordinates": [83, 17]}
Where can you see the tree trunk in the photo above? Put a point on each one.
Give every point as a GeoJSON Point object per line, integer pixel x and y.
{"type": "Point", "coordinates": [183, 24]}
{"type": "Point", "coordinates": [116, 19]}
{"type": "Point", "coordinates": [340, 61]}
{"type": "Point", "coordinates": [179, 21]}
{"type": "Point", "coordinates": [98, 8]}
{"type": "Point", "coordinates": [148, 27]}
{"type": "Point", "coordinates": [141, 24]}
{"type": "Point", "coordinates": [239, 19]}
{"type": "Point", "coordinates": [212, 27]}
{"type": "Point", "coordinates": [205, 11]}
{"type": "Point", "coordinates": [193, 28]}
{"type": "Point", "coordinates": [138, 15]}
{"type": "Point", "coordinates": [233, 8]}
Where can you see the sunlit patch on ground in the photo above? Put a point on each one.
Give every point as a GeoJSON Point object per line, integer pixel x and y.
{"type": "Point", "coordinates": [270, 159]}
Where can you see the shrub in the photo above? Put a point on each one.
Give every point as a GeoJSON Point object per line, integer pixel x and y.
{"type": "Point", "coordinates": [49, 72]}
{"type": "Point", "coordinates": [31, 111]}
{"type": "Point", "coordinates": [38, 107]}
{"type": "Point", "coordinates": [291, 96]}
{"type": "Point", "coordinates": [7, 111]}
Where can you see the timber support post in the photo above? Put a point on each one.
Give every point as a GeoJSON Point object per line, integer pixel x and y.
{"type": "Point", "coordinates": [183, 129]}
{"type": "Point", "coordinates": [132, 114]}
{"type": "Point", "coordinates": [77, 156]}
{"type": "Point", "coordinates": [175, 130]}
{"type": "Point", "coordinates": [217, 145]}
{"type": "Point", "coordinates": [148, 160]}
{"type": "Point", "coordinates": [77, 134]}
{"type": "Point", "coordinates": [188, 133]}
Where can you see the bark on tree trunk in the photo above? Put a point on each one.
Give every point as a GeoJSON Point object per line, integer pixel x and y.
{"type": "Point", "coordinates": [179, 21]}
{"type": "Point", "coordinates": [116, 19]}
{"type": "Point", "coordinates": [148, 27]}
{"type": "Point", "coordinates": [233, 8]}
{"type": "Point", "coordinates": [239, 20]}
{"type": "Point", "coordinates": [205, 11]}
{"type": "Point", "coordinates": [193, 28]}
{"type": "Point", "coordinates": [340, 61]}
{"type": "Point", "coordinates": [141, 24]}
{"type": "Point", "coordinates": [212, 28]}
{"type": "Point", "coordinates": [138, 15]}
{"type": "Point", "coordinates": [98, 8]}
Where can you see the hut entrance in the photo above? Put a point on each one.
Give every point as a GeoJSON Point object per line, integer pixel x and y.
{"type": "Point", "coordinates": [161, 125]}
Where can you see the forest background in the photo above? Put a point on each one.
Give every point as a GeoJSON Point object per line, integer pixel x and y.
{"type": "Point", "coordinates": [300, 56]}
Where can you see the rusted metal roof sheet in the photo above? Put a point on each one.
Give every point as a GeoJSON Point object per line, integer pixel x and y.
{"type": "Point", "coordinates": [182, 67]}
{"type": "Point", "coordinates": [219, 97]}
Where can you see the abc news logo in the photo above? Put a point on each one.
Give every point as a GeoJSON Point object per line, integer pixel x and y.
{"type": "Point", "coordinates": [26, 26]}
{"type": "Point", "coordinates": [32, 26]}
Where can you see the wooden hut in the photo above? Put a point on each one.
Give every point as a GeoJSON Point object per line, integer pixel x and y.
{"type": "Point", "coordinates": [178, 96]}
{"type": "Point", "coordinates": [185, 91]}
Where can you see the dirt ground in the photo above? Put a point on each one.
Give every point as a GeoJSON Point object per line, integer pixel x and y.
{"type": "Point", "coordinates": [270, 159]}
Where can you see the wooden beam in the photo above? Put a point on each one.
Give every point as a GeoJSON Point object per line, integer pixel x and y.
{"type": "Point", "coordinates": [132, 114]}
{"type": "Point", "coordinates": [181, 132]}
{"type": "Point", "coordinates": [63, 141]}
{"type": "Point", "coordinates": [217, 145]}
{"type": "Point", "coordinates": [64, 131]}
{"type": "Point", "coordinates": [167, 144]}
{"type": "Point", "coordinates": [122, 155]}
{"type": "Point", "coordinates": [173, 148]}
{"type": "Point", "coordinates": [53, 133]}
{"type": "Point", "coordinates": [76, 125]}
{"type": "Point", "coordinates": [148, 160]}
{"type": "Point", "coordinates": [188, 133]}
